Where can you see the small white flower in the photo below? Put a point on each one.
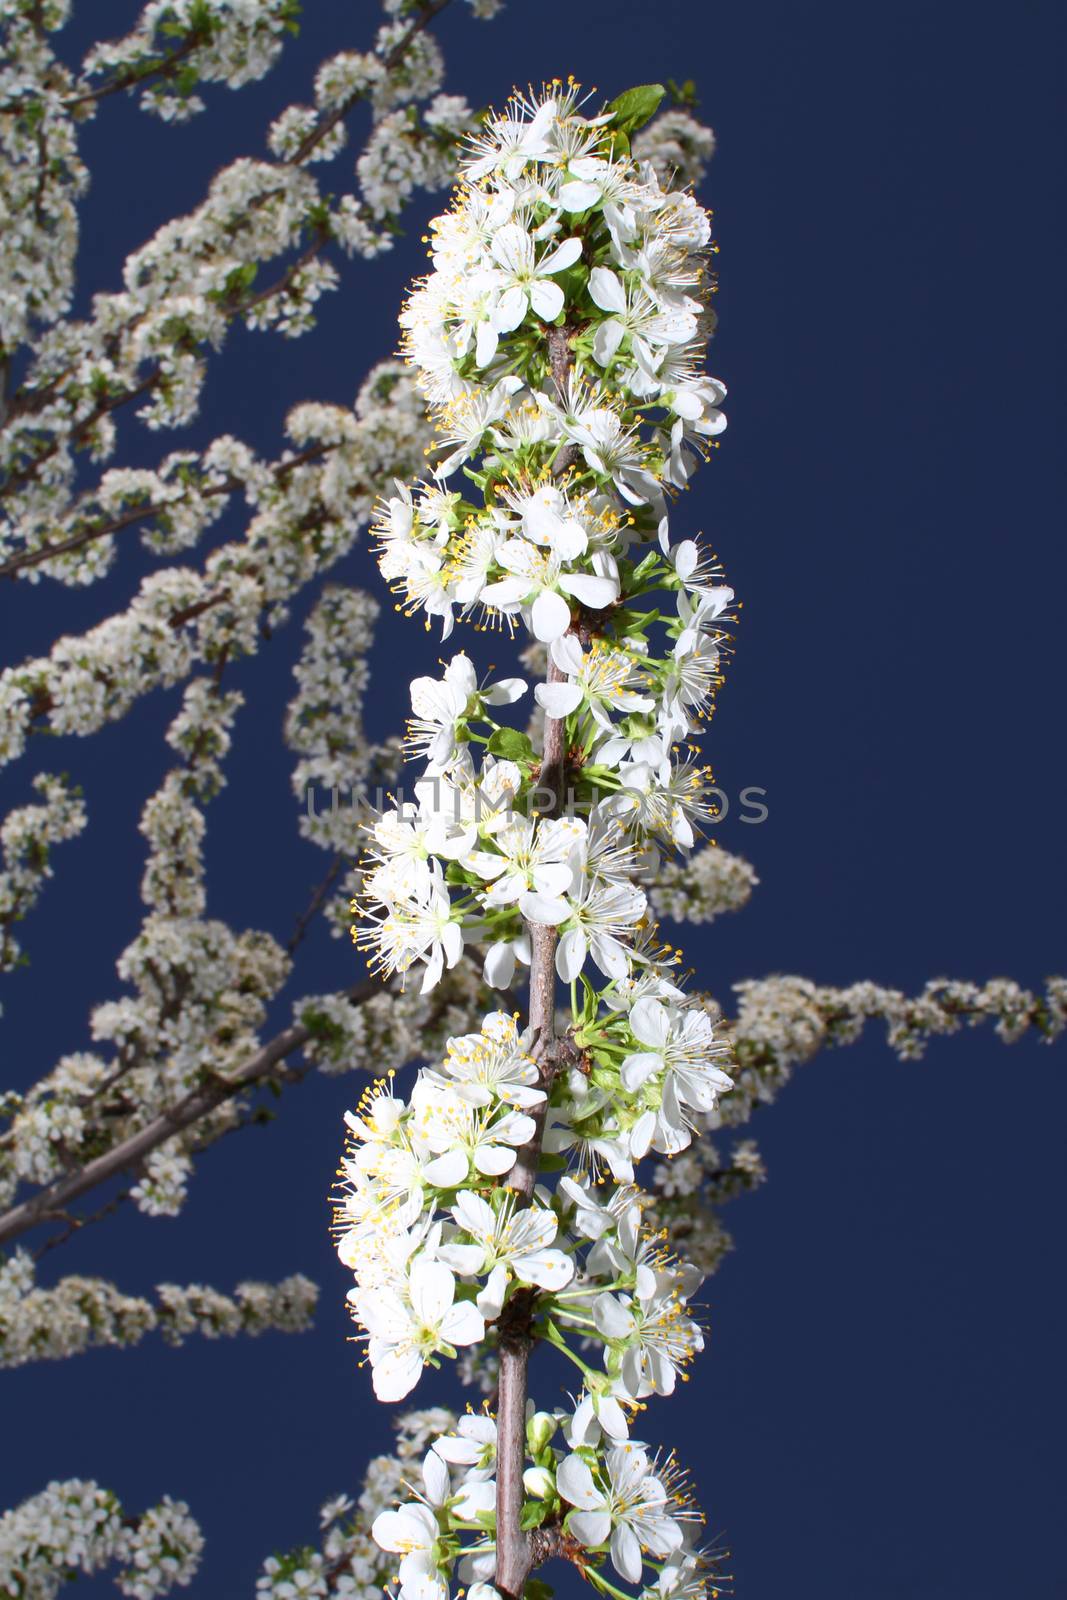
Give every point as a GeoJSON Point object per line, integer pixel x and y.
{"type": "Point", "coordinates": [407, 1329]}
{"type": "Point", "coordinates": [630, 1510]}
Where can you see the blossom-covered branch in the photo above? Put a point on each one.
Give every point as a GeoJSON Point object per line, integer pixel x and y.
{"type": "Point", "coordinates": [183, 289]}
{"type": "Point", "coordinates": [77, 1528]}
{"type": "Point", "coordinates": [26, 839]}
{"type": "Point", "coordinates": [560, 338]}
{"type": "Point", "coordinates": [76, 1314]}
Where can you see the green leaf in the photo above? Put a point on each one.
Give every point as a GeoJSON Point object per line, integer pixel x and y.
{"type": "Point", "coordinates": [534, 1513]}
{"type": "Point", "coordinates": [683, 94]}
{"type": "Point", "coordinates": [538, 1589]}
{"type": "Point", "coordinates": [510, 745]}
{"type": "Point", "coordinates": [633, 108]}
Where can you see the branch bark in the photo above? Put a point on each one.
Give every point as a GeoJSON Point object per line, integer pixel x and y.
{"type": "Point", "coordinates": [515, 1556]}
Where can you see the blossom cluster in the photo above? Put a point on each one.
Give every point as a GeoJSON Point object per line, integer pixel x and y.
{"type": "Point", "coordinates": [324, 721]}
{"type": "Point", "coordinates": [711, 882]}
{"type": "Point", "coordinates": [76, 1527]}
{"type": "Point", "coordinates": [348, 1563]}
{"type": "Point", "coordinates": [27, 835]}
{"type": "Point", "coordinates": [559, 341]}
{"type": "Point", "coordinates": [197, 994]}
{"type": "Point", "coordinates": [77, 1314]}
{"type": "Point", "coordinates": [306, 512]}
{"type": "Point", "coordinates": [176, 44]}
{"type": "Point", "coordinates": [147, 344]}
{"type": "Point", "coordinates": [782, 1022]}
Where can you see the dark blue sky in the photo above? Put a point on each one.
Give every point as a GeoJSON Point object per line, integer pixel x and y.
{"type": "Point", "coordinates": [880, 1413]}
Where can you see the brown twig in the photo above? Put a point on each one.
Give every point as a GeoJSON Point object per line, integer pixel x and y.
{"type": "Point", "coordinates": [307, 916]}
{"type": "Point", "coordinates": [514, 1547]}
{"type": "Point", "coordinates": [129, 1152]}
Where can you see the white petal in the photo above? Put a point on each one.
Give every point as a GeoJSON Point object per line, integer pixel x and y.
{"type": "Point", "coordinates": [551, 616]}
{"type": "Point", "coordinates": [611, 1317]}
{"type": "Point", "coordinates": [505, 691]}
{"type": "Point", "coordinates": [685, 556]}
{"type": "Point", "coordinates": [494, 1159]}
{"type": "Point", "coordinates": [570, 541]}
{"type": "Point", "coordinates": [499, 966]}
{"type": "Point", "coordinates": [473, 1499]}
{"type": "Point", "coordinates": [641, 1134]}
{"type": "Point", "coordinates": [589, 589]}
{"type": "Point", "coordinates": [650, 1022]}
{"type": "Point", "coordinates": [436, 1479]}
{"type": "Point", "coordinates": [564, 255]}
{"type": "Point", "coordinates": [431, 1288]}
{"type": "Point", "coordinates": [606, 340]}
{"type": "Point", "coordinates": [575, 1484]}
{"type": "Point", "coordinates": [590, 1528]}
{"type": "Point", "coordinates": [510, 311]}
{"type": "Point", "coordinates": [570, 954]}
{"type": "Point", "coordinates": [548, 910]}
{"type": "Point", "coordinates": [606, 289]}
{"type": "Point", "coordinates": [411, 1527]}
{"type": "Point", "coordinates": [547, 299]}
{"type": "Point", "coordinates": [463, 1452]}
{"type": "Point", "coordinates": [447, 1171]}
{"type": "Point", "coordinates": [474, 1214]}
{"type": "Point", "coordinates": [612, 1418]}
{"type": "Point", "coordinates": [397, 1373]}
{"type": "Point", "coordinates": [490, 1301]}
{"type": "Point", "coordinates": [626, 1553]}
{"type": "Point", "coordinates": [610, 956]}
{"type": "Point", "coordinates": [567, 654]}
{"type": "Point", "coordinates": [464, 1324]}
{"type": "Point", "coordinates": [578, 196]}
{"type": "Point", "coordinates": [549, 1269]}
{"type": "Point", "coordinates": [558, 699]}
{"type": "Point", "coordinates": [452, 942]}
{"type": "Point", "coordinates": [487, 341]}
{"type": "Point", "coordinates": [434, 968]}
{"type": "Point", "coordinates": [467, 1260]}
{"type": "Point", "coordinates": [638, 1068]}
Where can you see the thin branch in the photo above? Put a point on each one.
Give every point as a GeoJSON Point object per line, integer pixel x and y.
{"type": "Point", "coordinates": [304, 921]}
{"type": "Point", "coordinates": [310, 142]}
{"type": "Point", "coordinates": [515, 1552]}
{"type": "Point", "coordinates": [76, 1224]}
{"type": "Point", "coordinates": [132, 1150]}
{"type": "Point", "coordinates": [154, 508]}
{"type": "Point", "coordinates": [429, 10]}
{"type": "Point", "coordinates": [133, 77]}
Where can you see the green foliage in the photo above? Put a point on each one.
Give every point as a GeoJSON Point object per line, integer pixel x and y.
{"type": "Point", "coordinates": [510, 745]}
{"type": "Point", "coordinates": [634, 107]}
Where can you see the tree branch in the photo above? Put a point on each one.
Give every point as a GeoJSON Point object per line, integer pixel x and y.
{"type": "Point", "coordinates": [514, 1548]}
{"type": "Point", "coordinates": [129, 1152]}
{"type": "Point", "coordinates": [429, 10]}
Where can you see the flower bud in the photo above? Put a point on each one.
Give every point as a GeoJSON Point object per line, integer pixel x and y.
{"type": "Point", "coordinates": [539, 1482]}
{"type": "Point", "coordinates": [539, 1430]}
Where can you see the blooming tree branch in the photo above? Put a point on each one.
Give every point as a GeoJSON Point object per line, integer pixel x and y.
{"type": "Point", "coordinates": [559, 335]}
{"type": "Point", "coordinates": [558, 343]}
{"type": "Point", "coordinates": [81, 1313]}
{"type": "Point", "coordinates": [76, 1527]}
